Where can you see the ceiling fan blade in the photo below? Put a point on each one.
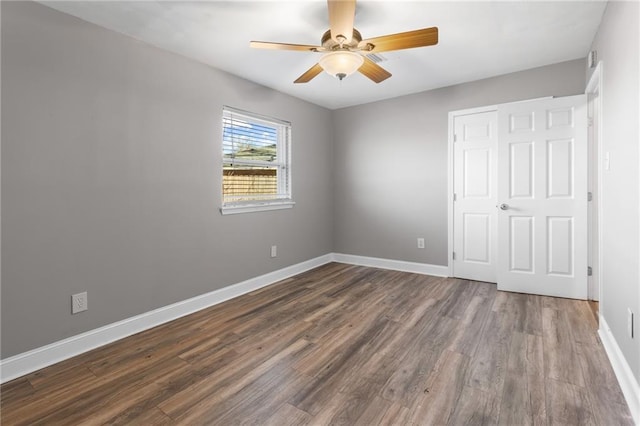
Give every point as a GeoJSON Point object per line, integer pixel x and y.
{"type": "Point", "coordinates": [285, 46]}
{"type": "Point", "coordinates": [374, 71]}
{"type": "Point", "coordinates": [309, 74]}
{"type": "Point", "coordinates": [408, 40]}
{"type": "Point", "coordinates": [341, 16]}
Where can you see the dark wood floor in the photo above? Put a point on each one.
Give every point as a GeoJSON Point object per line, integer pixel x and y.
{"type": "Point", "coordinates": [343, 345]}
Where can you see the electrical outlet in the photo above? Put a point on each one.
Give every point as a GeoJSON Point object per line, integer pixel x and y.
{"type": "Point", "coordinates": [274, 251]}
{"type": "Point", "coordinates": [420, 243]}
{"type": "Point", "coordinates": [78, 302]}
{"type": "Point", "coordinates": [630, 323]}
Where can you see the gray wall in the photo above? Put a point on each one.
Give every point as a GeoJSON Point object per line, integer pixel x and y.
{"type": "Point", "coordinates": [618, 47]}
{"type": "Point", "coordinates": [111, 178]}
{"type": "Point", "coordinates": [390, 162]}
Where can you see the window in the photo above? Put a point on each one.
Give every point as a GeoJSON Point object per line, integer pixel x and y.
{"type": "Point", "coordinates": [256, 162]}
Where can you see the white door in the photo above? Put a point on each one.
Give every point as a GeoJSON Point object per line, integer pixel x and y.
{"type": "Point", "coordinates": [474, 182]}
{"type": "Point", "coordinates": [542, 197]}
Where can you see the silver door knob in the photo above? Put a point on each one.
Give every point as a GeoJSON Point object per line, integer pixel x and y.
{"type": "Point", "coordinates": [504, 206]}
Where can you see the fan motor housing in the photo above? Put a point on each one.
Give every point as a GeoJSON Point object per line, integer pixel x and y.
{"type": "Point", "coordinates": [330, 44]}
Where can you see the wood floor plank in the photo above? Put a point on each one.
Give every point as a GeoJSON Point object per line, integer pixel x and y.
{"type": "Point", "coordinates": [346, 408]}
{"type": "Point", "coordinates": [583, 325]}
{"type": "Point", "coordinates": [374, 370]}
{"type": "Point", "coordinates": [154, 416]}
{"type": "Point", "coordinates": [353, 310]}
{"type": "Point", "coordinates": [104, 400]}
{"type": "Point", "coordinates": [488, 291]}
{"type": "Point", "coordinates": [488, 366]}
{"type": "Point", "coordinates": [276, 331]}
{"type": "Point", "coordinates": [568, 404]}
{"type": "Point", "coordinates": [61, 376]}
{"type": "Point", "coordinates": [323, 357]}
{"type": "Point", "coordinates": [396, 414]}
{"type": "Point", "coordinates": [602, 386]}
{"type": "Point", "coordinates": [399, 305]}
{"type": "Point", "coordinates": [475, 407]}
{"type": "Point", "coordinates": [440, 288]}
{"type": "Point", "coordinates": [197, 397]}
{"type": "Point", "coordinates": [342, 344]}
{"type": "Point", "coordinates": [560, 350]}
{"type": "Point", "coordinates": [415, 332]}
{"type": "Point", "coordinates": [523, 397]}
{"type": "Point", "coordinates": [442, 390]}
{"type": "Point", "coordinates": [329, 307]}
{"type": "Point", "coordinates": [288, 415]}
{"type": "Point", "coordinates": [329, 378]}
{"type": "Point", "coordinates": [255, 402]}
{"type": "Point", "coordinates": [119, 366]}
{"type": "Point", "coordinates": [16, 391]}
{"type": "Point", "coordinates": [524, 311]}
{"type": "Point", "coordinates": [532, 322]}
{"type": "Point", "coordinates": [209, 348]}
{"type": "Point", "coordinates": [405, 384]}
{"type": "Point", "coordinates": [535, 378]}
{"type": "Point", "coordinates": [374, 411]}
{"type": "Point", "coordinates": [468, 331]}
{"type": "Point", "coordinates": [594, 307]}
{"type": "Point", "coordinates": [458, 300]}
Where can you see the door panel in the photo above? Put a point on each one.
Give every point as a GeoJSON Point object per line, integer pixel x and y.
{"type": "Point", "coordinates": [542, 190]}
{"type": "Point", "coordinates": [521, 244]}
{"type": "Point", "coordinates": [560, 168]}
{"type": "Point", "coordinates": [522, 122]}
{"type": "Point", "coordinates": [475, 154]}
{"type": "Point", "coordinates": [476, 173]}
{"type": "Point", "coordinates": [560, 238]}
{"type": "Point", "coordinates": [477, 234]}
{"type": "Point", "coordinates": [560, 117]}
{"type": "Point", "coordinates": [521, 170]}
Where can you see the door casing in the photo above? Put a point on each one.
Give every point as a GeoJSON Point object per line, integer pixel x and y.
{"type": "Point", "coordinates": [594, 87]}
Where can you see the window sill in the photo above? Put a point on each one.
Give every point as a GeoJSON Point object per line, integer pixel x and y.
{"type": "Point", "coordinates": [250, 208]}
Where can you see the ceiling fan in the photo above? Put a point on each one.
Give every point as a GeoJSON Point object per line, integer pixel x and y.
{"type": "Point", "coordinates": [344, 49]}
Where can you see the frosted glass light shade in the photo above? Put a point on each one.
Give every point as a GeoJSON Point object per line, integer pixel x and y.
{"type": "Point", "coordinates": [341, 63]}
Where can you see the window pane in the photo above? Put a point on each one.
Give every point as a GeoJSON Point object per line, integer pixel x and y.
{"type": "Point", "coordinates": [246, 183]}
{"type": "Point", "coordinates": [249, 141]}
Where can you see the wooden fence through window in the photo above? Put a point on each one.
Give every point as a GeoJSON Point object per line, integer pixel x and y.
{"type": "Point", "coordinates": [249, 181]}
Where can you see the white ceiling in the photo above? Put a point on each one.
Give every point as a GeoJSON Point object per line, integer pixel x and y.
{"type": "Point", "coordinates": [478, 39]}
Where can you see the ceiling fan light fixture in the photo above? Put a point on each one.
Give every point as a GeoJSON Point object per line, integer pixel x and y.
{"type": "Point", "coordinates": [341, 63]}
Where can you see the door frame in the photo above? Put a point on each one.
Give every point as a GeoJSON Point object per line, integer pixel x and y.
{"type": "Point", "coordinates": [595, 168]}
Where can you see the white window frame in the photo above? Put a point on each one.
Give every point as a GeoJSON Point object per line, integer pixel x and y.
{"type": "Point", "coordinates": [283, 200]}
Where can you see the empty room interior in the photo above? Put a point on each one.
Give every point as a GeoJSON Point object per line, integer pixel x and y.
{"type": "Point", "coordinates": [320, 212]}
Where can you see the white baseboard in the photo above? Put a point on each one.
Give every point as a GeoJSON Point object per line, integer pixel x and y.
{"type": "Point", "coordinates": [33, 360]}
{"type": "Point", "coordinates": [628, 383]}
{"type": "Point", "coordinates": [396, 265]}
